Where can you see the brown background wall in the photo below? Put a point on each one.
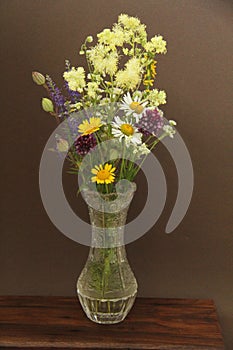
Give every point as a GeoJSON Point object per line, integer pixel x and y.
{"type": "Point", "coordinates": [196, 260]}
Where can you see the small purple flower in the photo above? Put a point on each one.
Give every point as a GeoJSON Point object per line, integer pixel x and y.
{"type": "Point", "coordinates": [151, 122]}
{"type": "Point", "coordinates": [74, 96]}
{"type": "Point", "coordinates": [57, 97]}
{"type": "Point", "coordinates": [84, 144]}
{"type": "Point", "coordinates": [73, 124]}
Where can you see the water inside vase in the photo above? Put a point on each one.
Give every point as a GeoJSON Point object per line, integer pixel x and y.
{"type": "Point", "coordinates": [107, 286]}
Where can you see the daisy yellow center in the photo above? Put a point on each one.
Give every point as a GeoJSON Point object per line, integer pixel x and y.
{"type": "Point", "coordinates": [103, 174]}
{"type": "Point", "coordinates": [127, 129]}
{"type": "Point", "coordinates": [136, 107]}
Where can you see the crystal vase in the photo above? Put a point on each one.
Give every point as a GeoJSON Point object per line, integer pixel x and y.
{"type": "Point", "coordinates": [107, 286]}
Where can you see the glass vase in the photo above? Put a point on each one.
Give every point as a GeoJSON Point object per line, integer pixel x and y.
{"type": "Point", "coordinates": [107, 286]}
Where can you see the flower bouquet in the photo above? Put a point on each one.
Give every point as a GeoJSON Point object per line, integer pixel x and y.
{"type": "Point", "coordinates": [111, 122]}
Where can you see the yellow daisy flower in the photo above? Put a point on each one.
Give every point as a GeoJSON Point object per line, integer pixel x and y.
{"type": "Point", "coordinates": [87, 127]}
{"type": "Point", "coordinates": [103, 174]}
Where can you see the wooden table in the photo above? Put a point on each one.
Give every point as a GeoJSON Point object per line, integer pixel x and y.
{"type": "Point", "coordinates": [59, 322]}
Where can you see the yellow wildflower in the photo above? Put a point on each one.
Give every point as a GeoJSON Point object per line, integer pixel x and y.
{"type": "Point", "coordinates": [129, 22]}
{"type": "Point", "coordinates": [159, 44]}
{"type": "Point", "coordinates": [150, 74]}
{"type": "Point", "coordinates": [141, 30]}
{"type": "Point", "coordinates": [149, 46]}
{"type": "Point", "coordinates": [92, 88]}
{"type": "Point", "coordinates": [157, 97]}
{"type": "Point", "coordinates": [103, 174]}
{"type": "Point", "coordinates": [75, 106]}
{"type": "Point", "coordinates": [153, 68]}
{"type": "Point", "coordinates": [75, 78]}
{"type": "Point", "coordinates": [130, 76]}
{"type": "Point", "coordinates": [119, 37]}
{"type": "Point", "coordinates": [88, 127]}
{"type": "Point", "coordinates": [148, 82]}
{"type": "Point", "coordinates": [103, 59]}
{"type": "Point", "coordinates": [111, 62]}
{"type": "Point", "coordinates": [111, 38]}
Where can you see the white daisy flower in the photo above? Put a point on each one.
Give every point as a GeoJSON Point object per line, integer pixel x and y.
{"type": "Point", "coordinates": [124, 129]}
{"type": "Point", "coordinates": [133, 106]}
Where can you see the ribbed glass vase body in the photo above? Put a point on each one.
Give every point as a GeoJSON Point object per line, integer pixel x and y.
{"type": "Point", "coordinates": [107, 287]}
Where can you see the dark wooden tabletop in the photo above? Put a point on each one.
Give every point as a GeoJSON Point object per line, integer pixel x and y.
{"type": "Point", "coordinates": [59, 322]}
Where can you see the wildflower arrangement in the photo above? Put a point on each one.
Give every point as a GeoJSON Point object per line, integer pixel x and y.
{"type": "Point", "coordinates": [115, 99]}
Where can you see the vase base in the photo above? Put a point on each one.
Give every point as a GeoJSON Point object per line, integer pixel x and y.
{"type": "Point", "coordinates": [106, 311]}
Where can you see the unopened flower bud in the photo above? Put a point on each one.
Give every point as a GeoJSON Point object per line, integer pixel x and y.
{"type": "Point", "coordinates": [172, 122]}
{"type": "Point", "coordinates": [38, 78]}
{"type": "Point", "coordinates": [62, 145]}
{"type": "Point", "coordinates": [89, 39]}
{"type": "Point", "coordinates": [47, 105]}
{"type": "Point", "coordinates": [81, 52]}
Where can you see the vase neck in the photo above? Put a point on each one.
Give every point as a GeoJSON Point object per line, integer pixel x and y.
{"type": "Point", "coordinates": [107, 237]}
{"type": "Point", "coordinates": [107, 228]}
{"type": "Point", "coordinates": [108, 213]}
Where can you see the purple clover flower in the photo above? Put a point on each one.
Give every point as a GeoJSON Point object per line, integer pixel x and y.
{"type": "Point", "coordinates": [57, 97]}
{"type": "Point", "coordinates": [84, 144]}
{"type": "Point", "coordinates": [151, 122]}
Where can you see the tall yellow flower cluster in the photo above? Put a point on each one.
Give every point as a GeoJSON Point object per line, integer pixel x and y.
{"type": "Point", "coordinates": [109, 78]}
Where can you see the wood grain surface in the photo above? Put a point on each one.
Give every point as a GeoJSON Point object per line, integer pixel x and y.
{"type": "Point", "coordinates": [59, 322]}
